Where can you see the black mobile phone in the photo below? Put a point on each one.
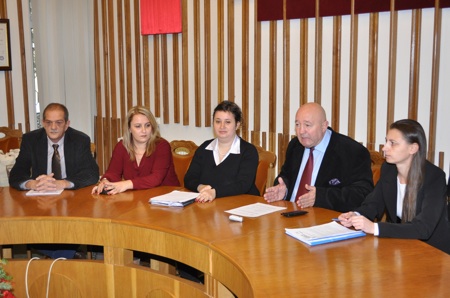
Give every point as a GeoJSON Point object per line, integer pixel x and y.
{"type": "Point", "coordinates": [294, 213]}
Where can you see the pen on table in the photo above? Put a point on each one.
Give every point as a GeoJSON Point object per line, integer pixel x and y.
{"type": "Point", "coordinates": [336, 219]}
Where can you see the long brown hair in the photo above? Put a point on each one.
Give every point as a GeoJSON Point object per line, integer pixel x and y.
{"type": "Point", "coordinates": [128, 141]}
{"type": "Point", "coordinates": [413, 132]}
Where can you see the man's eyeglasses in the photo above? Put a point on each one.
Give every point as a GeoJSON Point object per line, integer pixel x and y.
{"type": "Point", "coordinates": [58, 123]}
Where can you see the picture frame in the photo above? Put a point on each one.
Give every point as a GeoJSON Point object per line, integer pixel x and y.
{"type": "Point", "coordinates": [5, 45]}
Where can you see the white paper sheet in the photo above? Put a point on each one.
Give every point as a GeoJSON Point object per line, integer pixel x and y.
{"type": "Point", "coordinates": [255, 210]}
{"type": "Point", "coordinates": [32, 193]}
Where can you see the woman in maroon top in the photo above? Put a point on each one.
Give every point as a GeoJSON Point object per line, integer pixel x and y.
{"type": "Point", "coordinates": [141, 160]}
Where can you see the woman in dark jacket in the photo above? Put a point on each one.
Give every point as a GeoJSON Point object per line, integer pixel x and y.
{"type": "Point", "coordinates": [411, 190]}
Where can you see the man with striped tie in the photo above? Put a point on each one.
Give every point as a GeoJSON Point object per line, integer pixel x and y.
{"type": "Point", "coordinates": [51, 158]}
{"type": "Point", "coordinates": [55, 156]}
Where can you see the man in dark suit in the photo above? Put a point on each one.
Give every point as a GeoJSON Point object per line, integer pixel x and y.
{"type": "Point", "coordinates": [340, 175]}
{"type": "Point", "coordinates": [33, 167]}
{"type": "Point", "coordinates": [36, 167]}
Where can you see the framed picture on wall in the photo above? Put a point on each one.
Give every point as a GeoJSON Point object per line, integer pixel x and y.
{"type": "Point", "coordinates": [5, 45]}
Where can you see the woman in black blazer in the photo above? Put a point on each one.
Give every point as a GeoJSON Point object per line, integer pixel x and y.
{"type": "Point", "coordinates": [411, 190]}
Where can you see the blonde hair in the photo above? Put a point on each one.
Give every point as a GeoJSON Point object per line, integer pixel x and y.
{"type": "Point", "coordinates": [155, 136]}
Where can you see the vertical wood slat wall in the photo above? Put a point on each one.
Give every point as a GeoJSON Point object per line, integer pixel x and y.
{"type": "Point", "coordinates": [225, 53]}
{"type": "Point", "coordinates": [193, 95]}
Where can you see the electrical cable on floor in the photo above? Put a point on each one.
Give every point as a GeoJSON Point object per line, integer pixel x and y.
{"type": "Point", "coordinates": [26, 275]}
{"type": "Point", "coordinates": [49, 274]}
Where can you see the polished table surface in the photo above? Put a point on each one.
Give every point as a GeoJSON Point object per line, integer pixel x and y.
{"type": "Point", "coordinates": [256, 251]}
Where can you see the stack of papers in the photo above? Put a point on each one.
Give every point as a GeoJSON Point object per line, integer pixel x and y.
{"type": "Point", "coordinates": [255, 210]}
{"type": "Point", "coordinates": [325, 233]}
{"type": "Point", "coordinates": [174, 199]}
{"type": "Point", "coordinates": [44, 193]}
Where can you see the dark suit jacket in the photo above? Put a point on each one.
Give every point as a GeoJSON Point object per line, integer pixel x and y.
{"type": "Point", "coordinates": [81, 168]}
{"type": "Point", "coordinates": [345, 175]}
{"type": "Point", "coordinates": [430, 223]}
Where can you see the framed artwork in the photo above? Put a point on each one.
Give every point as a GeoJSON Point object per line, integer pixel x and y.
{"type": "Point", "coordinates": [5, 45]}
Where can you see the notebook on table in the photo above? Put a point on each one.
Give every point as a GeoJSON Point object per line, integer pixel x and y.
{"type": "Point", "coordinates": [175, 198]}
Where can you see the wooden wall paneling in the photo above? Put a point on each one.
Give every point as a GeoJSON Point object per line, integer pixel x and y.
{"type": "Point", "coordinates": [106, 117]}
{"type": "Point", "coordinates": [220, 50]}
{"type": "Point", "coordinates": [112, 61]}
{"type": "Point", "coordinates": [336, 73]}
{"type": "Point", "coordinates": [121, 60]}
{"type": "Point", "coordinates": [98, 136]}
{"type": "Point", "coordinates": [23, 64]}
{"type": "Point", "coordinates": [272, 144]}
{"type": "Point", "coordinates": [245, 69]}
{"type": "Point", "coordinates": [441, 160]}
{"type": "Point", "coordinates": [286, 71]}
{"type": "Point", "coordinates": [207, 29]}
{"type": "Point", "coordinates": [165, 79]}
{"type": "Point", "coordinates": [372, 84]}
{"type": "Point", "coordinates": [272, 141]}
{"type": "Point", "coordinates": [156, 75]}
{"type": "Point", "coordinates": [272, 76]}
{"type": "Point", "coordinates": [185, 62]}
{"type": "Point", "coordinates": [231, 54]}
{"type": "Point", "coordinates": [116, 133]}
{"type": "Point", "coordinates": [393, 28]}
{"type": "Point", "coordinates": [318, 57]}
{"type": "Point", "coordinates": [303, 84]}
{"type": "Point", "coordinates": [353, 71]}
{"type": "Point", "coordinates": [264, 140]}
{"type": "Point", "coordinates": [137, 52]}
{"type": "Point", "coordinates": [414, 64]}
{"type": "Point", "coordinates": [257, 76]}
{"type": "Point", "coordinates": [197, 66]}
{"type": "Point", "coordinates": [176, 79]}
{"type": "Point", "coordinates": [107, 150]}
{"type": "Point", "coordinates": [255, 137]}
{"type": "Point", "coordinates": [146, 71]}
{"type": "Point", "coordinates": [436, 59]}
{"type": "Point", "coordinates": [129, 55]}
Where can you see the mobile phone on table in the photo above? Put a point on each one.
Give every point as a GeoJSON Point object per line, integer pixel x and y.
{"type": "Point", "coordinates": [294, 213]}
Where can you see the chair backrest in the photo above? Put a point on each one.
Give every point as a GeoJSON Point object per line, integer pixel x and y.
{"type": "Point", "coordinates": [9, 139]}
{"type": "Point", "coordinates": [377, 160]}
{"type": "Point", "coordinates": [265, 172]}
{"type": "Point", "coordinates": [93, 150]}
{"type": "Point", "coordinates": [182, 153]}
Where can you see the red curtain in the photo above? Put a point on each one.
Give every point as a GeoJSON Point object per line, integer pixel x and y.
{"type": "Point", "coordinates": [160, 16]}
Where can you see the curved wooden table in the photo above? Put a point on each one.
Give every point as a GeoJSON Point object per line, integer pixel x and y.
{"type": "Point", "coordinates": [254, 258]}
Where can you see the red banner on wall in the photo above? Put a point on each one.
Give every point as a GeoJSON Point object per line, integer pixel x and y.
{"type": "Point", "coordinates": [160, 16]}
{"type": "Point", "coordinates": [299, 9]}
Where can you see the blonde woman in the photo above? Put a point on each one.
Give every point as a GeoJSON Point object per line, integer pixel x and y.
{"type": "Point", "coordinates": [141, 160]}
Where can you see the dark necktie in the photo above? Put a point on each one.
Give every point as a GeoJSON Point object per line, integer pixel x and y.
{"type": "Point", "coordinates": [56, 163]}
{"type": "Point", "coordinates": [307, 174]}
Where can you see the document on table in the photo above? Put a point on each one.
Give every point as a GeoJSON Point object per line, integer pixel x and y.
{"type": "Point", "coordinates": [325, 233]}
{"type": "Point", "coordinates": [255, 210]}
{"type": "Point", "coordinates": [32, 193]}
{"type": "Point", "coordinates": [175, 199]}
